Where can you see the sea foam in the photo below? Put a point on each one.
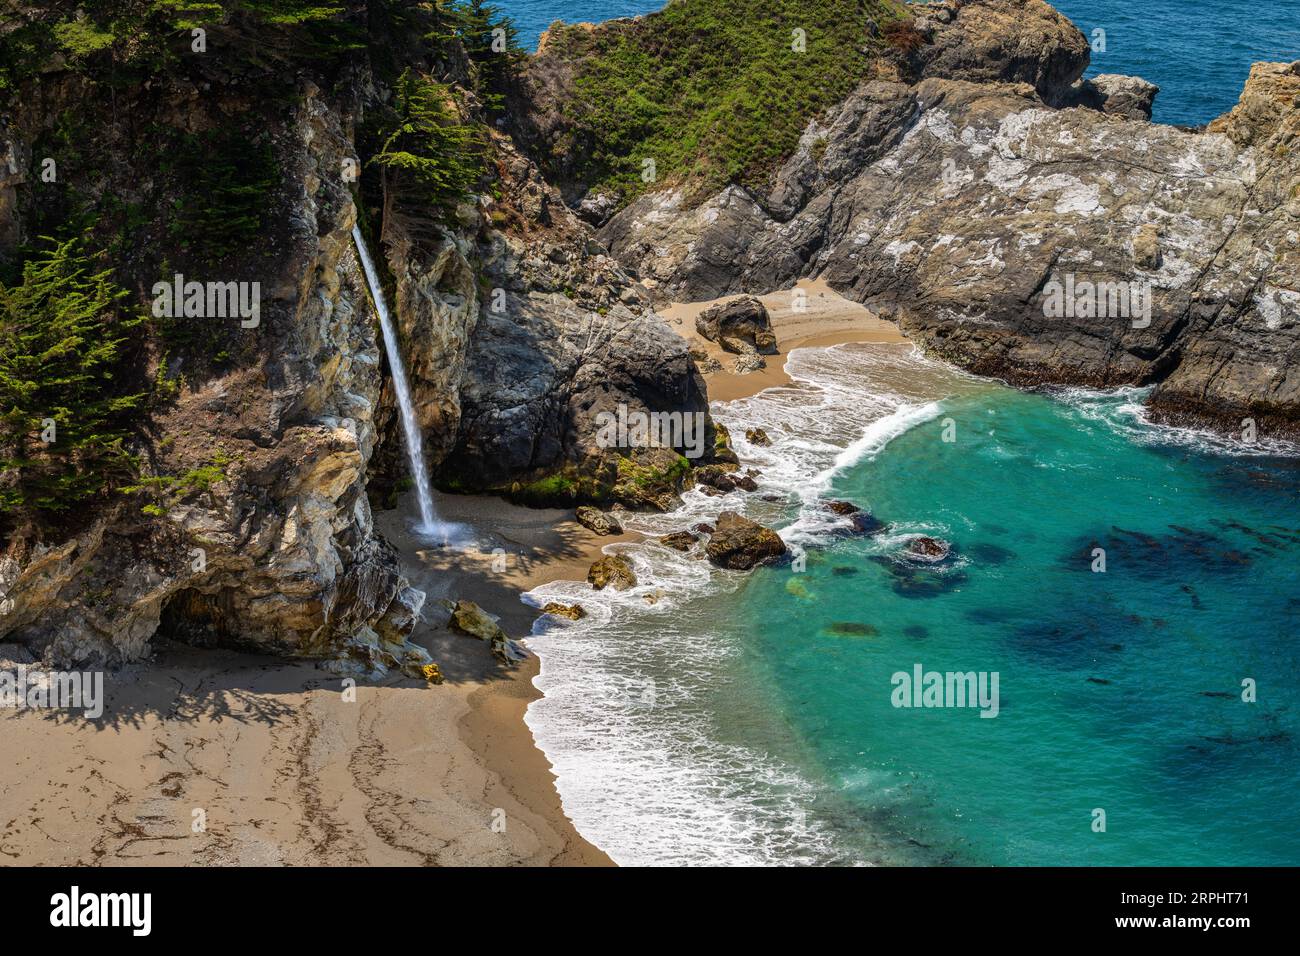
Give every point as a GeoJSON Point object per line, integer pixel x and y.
{"type": "Point", "coordinates": [631, 717]}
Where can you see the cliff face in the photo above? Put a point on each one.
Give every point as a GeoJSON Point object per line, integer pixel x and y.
{"type": "Point", "coordinates": [281, 553]}
{"type": "Point", "coordinates": [251, 524]}
{"type": "Point", "coordinates": [522, 330]}
{"type": "Point", "coordinates": [967, 197]}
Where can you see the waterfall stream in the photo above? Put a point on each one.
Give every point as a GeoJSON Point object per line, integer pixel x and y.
{"type": "Point", "coordinates": [429, 523]}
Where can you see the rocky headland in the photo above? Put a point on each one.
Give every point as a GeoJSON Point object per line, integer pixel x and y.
{"type": "Point", "coordinates": [969, 170]}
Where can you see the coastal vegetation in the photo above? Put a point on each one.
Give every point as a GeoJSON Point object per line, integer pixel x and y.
{"type": "Point", "coordinates": [64, 410]}
{"type": "Point", "coordinates": [712, 92]}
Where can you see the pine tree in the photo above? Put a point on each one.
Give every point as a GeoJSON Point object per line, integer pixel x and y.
{"type": "Point", "coordinates": [428, 148]}
{"type": "Point", "coordinates": [60, 337]}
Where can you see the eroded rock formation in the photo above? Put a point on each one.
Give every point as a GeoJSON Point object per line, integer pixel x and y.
{"type": "Point", "coordinates": [962, 192]}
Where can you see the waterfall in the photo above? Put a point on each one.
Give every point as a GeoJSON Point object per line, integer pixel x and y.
{"type": "Point", "coordinates": [429, 523]}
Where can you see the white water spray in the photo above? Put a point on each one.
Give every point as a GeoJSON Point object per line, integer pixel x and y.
{"type": "Point", "coordinates": [429, 523]}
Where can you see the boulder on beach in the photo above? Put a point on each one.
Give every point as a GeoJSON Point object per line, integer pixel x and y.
{"type": "Point", "coordinates": [757, 436]}
{"type": "Point", "coordinates": [743, 320]}
{"type": "Point", "coordinates": [749, 360]}
{"type": "Point", "coordinates": [740, 544]}
{"type": "Point", "coordinates": [679, 540]}
{"type": "Point", "coordinates": [612, 571]}
{"type": "Point", "coordinates": [468, 618]}
{"type": "Point", "coordinates": [601, 522]}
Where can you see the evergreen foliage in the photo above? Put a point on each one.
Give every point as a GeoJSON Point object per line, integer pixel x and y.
{"type": "Point", "coordinates": [61, 332]}
{"type": "Point", "coordinates": [492, 42]}
{"type": "Point", "coordinates": [427, 148]}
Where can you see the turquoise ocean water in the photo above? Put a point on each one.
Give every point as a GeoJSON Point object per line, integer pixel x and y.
{"type": "Point", "coordinates": [1197, 51]}
{"type": "Point", "coordinates": [707, 716]}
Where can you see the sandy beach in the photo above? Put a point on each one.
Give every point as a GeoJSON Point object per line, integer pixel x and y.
{"type": "Point", "coordinates": [824, 318]}
{"type": "Point", "coordinates": [216, 757]}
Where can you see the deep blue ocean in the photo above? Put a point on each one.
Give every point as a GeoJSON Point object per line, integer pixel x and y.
{"type": "Point", "coordinates": [1197, 51]}
{"type": "Point", "coordinates": [1134, 589]}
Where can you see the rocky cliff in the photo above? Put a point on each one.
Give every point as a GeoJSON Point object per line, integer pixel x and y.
{"type": "Point", "coordinates": [259, 446]}
{"type": "Point", "coordinates": [971, 184]}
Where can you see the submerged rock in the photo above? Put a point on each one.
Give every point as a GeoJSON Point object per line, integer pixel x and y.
{"type": "Point", "coordinates": [757, 436]}
{"type": "Point", "coordinates": [679, 540]}
{"type": "Point", "coordinates": [860, 522]}
{"type": "Point", "coordinates": [612, 571]}
{"type": "Point", "coordinates": [926, 548]}
{"type": "Point", "coordinates": [572, 612]}
{"type": "Point", "coordinates": [851, 629]}
{"type": "Point", "coordinates": [740, 544]}
{"type": "Point", "coordinates": [593, 519]}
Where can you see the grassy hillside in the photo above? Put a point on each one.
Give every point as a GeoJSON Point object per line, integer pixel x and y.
{"type": "Point", "coordinates": [713, 91]}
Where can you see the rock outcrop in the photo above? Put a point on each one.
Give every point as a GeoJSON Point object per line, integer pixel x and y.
{"type": "Point", "coordinates": [743, 320]}
{"type": "Point", "coordinates": [611, 571]}
{"type": "Point", "coordinates": [518, 333]}
{"type": "Point", "coordinates": [1128, 96]}
{"type": "Point", "coordinates": [739, 544]}
{"type": "Point", "coordinates": [593, 519]}
{"type": "Point", "coordinates": [968, 197]}
{"type": "Point", "coordinates": [279, 552]}
{"type": "Point", "coordinates": [564, 338]}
